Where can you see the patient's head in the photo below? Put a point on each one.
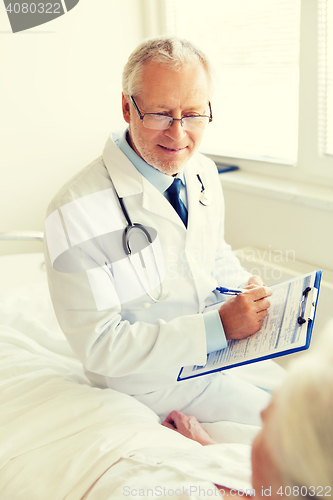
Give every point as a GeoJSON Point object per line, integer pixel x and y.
{"type": "Point", "coordinates": [295, 447]}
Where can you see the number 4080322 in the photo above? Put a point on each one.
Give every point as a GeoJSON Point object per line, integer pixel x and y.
{"type": "Point", "coordinates": [34, 8]}
{"type": "Point", "coordinates": [304, 491]}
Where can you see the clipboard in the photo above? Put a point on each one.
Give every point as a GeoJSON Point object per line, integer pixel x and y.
{"type": "Point", "coordinates": [296, 324]}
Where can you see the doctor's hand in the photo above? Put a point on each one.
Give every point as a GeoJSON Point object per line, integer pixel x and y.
{"type": "Point", "coordinates": [242, 314]}
{"type": "Point", "coordinates": [255, 280]}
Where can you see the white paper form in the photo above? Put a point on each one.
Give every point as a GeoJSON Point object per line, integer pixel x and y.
{"type": "Point", "coordinates": [280, 330]}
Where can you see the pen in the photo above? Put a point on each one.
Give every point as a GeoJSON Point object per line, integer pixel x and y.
{"type": "Point", "coordinates": [229, 291]}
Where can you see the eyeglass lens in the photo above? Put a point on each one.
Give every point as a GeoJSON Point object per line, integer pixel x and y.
{"type": "Point", "coordinates": [160, 122]}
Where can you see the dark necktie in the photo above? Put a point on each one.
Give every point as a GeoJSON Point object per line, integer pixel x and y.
{"type": "Point", "coordinates": [176, 202]}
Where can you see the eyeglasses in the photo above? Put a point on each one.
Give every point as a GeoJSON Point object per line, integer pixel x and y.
{"type": "Point", "coordinates": [158, 121]}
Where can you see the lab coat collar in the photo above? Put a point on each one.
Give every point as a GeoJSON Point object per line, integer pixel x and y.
{"type": "Point", "coordinates": [125, 177]}
{"type": "Point", "coordinates": [193, 188]}
{"type": "Point", "coordinates": [154, 202]}
{"type": "Point", "coordinates": [128, 182]}
{"type": "Point", "coordinates": [160, 180]}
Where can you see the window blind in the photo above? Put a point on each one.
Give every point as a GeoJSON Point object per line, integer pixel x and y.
{"type": "Point", "coordinates": [325, 75]}
{"type": "Point", "coordinates": [254, 48]}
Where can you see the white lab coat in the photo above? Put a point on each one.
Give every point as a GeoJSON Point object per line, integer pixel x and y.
{"type": "Point", "coordinates": [126, 346]}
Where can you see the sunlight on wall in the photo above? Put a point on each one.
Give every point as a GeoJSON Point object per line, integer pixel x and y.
{"type": "Point", "coordinates": [60, 97]}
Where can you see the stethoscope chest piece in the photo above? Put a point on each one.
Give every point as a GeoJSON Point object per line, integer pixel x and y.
{"type": "Point", "coordinates": [205, 199]}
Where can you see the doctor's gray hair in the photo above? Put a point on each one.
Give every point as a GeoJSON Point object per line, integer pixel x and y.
{"type": "Point", "coordinates": [169, 50]}
{"type": "Point", "coordinates": [304, 425]}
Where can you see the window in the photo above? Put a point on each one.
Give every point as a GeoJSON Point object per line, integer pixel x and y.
{"type": "Point", "coordinates": [254, 48]}
{"type": "Point", "coordinates": [326, 77]}
{"type": "Point", "coordinates": [273, 104]}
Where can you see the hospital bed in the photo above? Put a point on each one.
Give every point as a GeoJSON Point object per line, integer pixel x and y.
{"type": "Point", "coordinates": [59, 434]}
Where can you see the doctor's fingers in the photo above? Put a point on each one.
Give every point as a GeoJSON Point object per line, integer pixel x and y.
{"type": "Point", "coordinates": [261, 305]}
{"type": "Point", "coordinates": [257, 292]}
{"type": "Point", "coordinates": [252, 300]}
{"type": "Point", "coordinates": [261, 315]}
{"type": "Point", "coordinates": [255, 280]}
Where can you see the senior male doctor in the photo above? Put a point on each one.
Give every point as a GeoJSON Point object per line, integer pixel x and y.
{"type": "Point", "coordinates": [135, 249]}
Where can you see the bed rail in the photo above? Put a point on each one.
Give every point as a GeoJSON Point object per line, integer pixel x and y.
{"type": "Point", "coordinates": [21, 235]}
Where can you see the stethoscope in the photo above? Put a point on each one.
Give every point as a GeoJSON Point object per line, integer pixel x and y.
{"type": "Point", "coordinates": [204, 199]}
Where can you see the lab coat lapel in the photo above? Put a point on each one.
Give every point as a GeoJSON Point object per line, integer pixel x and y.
{"type": "Point", "coordinates": [155, 202]}
{"type": "Point", "coordinates": [128, 182]}
{"type": "Point", "coordinates": [126, 178]}
{"type": "Point", "coordinates": [194, 247]}
{"type": "Point", "coordinates": [193, 189]}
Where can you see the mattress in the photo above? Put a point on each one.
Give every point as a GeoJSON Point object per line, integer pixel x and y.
{"type": "Point", "coordinates": [61, 438]}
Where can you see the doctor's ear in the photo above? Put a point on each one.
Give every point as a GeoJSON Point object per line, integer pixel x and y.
{"type": "Point", "coordinates": [126, 108]}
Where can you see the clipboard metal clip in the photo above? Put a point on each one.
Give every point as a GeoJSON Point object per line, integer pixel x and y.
{"type": "Point", "coordinates": [301, 318]}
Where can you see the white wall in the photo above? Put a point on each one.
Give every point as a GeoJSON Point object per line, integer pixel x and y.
{"type": "Point", "coordinates": [60, 86]}
{"type": "Point", "coordinates": [60, 97]}
{"type": "Point", "coordinates": [304, 232]}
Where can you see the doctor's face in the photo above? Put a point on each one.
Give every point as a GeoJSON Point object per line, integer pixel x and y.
{"type": "Point", "coordinates": [173, 93]}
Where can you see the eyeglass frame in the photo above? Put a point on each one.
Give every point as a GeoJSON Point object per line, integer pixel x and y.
{"type": "Point", "coordinates": [141, 116]}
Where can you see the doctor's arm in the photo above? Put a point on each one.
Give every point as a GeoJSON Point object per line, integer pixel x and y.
{"type": "Point", "coordinates": [240, 315]}
{"type": "Point", "coordinates": [112, 345]}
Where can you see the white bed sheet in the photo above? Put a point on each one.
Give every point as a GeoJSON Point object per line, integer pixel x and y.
{"type": "Point", "coordinates": [59, 434]}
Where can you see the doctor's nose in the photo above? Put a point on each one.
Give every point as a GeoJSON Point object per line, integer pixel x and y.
{"type": "Point", "coordinates": [176, 131]}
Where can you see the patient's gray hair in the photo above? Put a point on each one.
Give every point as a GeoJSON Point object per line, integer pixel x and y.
{"type": "Point", "coordinates": [304, 421]}
{"type": "Point", "coordinates": [169, 50]}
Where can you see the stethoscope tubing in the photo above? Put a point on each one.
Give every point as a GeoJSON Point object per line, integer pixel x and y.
{"type": "Point", "coordinates": [204, 200]}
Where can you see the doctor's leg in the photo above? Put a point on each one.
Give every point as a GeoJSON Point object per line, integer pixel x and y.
{"type": "Point", "coordinates": [211, 398]}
